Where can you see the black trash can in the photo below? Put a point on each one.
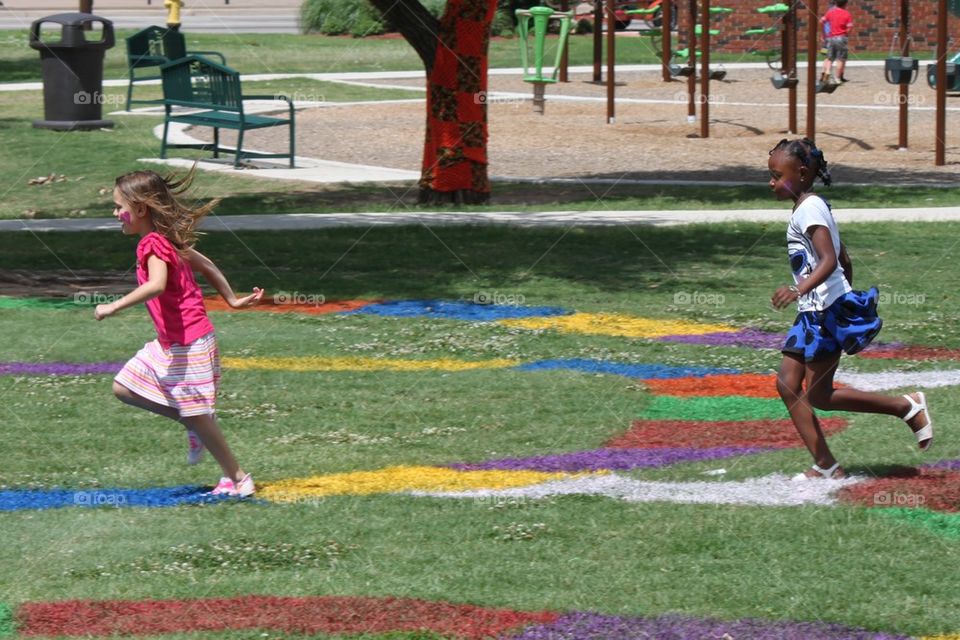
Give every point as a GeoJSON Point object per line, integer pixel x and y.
{"type": "Point", "coordinates": [73, 71]}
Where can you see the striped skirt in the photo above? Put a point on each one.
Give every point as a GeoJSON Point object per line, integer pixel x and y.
{"type": "Point", "coordinates": [184, 377]}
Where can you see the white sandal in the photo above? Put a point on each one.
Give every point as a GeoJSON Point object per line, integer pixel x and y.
{"type": "Point", "coordinates": [926, 433]}
{"type": "Point", "coordinates": [822, 474]}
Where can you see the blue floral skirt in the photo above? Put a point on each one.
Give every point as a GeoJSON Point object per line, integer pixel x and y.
{"type": "Point", "coordinates": [849, 324]}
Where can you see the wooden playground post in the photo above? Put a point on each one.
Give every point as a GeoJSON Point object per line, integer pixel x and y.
{"type": "Point", "coordinates": [705, 70]}
{"type": "Point", "coordinates": [813, 23]}
{"type": "Point", "coordinates": [788, 58]}
{"type": "Point", "coordinates": [692, 60]}
{"type": "Point", "coordinates": [903, 89]}
{"type": "Point", "coordinates": [611, 58]}
{"type": "Point", "coordinates": [597, 39]}
{"type": "Point", "coordinates": [666, 45]}
{"type": "Point", "coordinates": [941, 126]}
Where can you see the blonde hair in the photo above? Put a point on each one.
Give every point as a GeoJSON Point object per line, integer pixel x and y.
{"type": "Point", "coordinates": [159, 196]}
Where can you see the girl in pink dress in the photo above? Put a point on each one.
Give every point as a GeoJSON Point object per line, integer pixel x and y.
{"type": "Point", "coordinates": [176, 375]}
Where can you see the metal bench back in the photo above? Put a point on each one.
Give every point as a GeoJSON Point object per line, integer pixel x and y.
{"type": "Point", "coordinates": [154, 46]}
{"type": "Point", "coordinates": [198, 82]}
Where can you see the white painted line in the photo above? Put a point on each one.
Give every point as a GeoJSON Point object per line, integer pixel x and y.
{"type": "Point", "coordinates": [767, 491]}
{"type": "Point", "coordinates": [886, 380]}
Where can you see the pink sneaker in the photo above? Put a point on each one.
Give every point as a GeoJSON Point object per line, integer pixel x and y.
{"type": "Point", "coordinates": [245, 487]}
{"type": "Point", "coordinates": [195, 448]}
{"type": "Point", "coordinates": [242, 489]}
{"type": "Point", "coordinates": [224, 488]}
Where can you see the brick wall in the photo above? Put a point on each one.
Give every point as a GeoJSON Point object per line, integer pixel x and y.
{"type": "Point", "coordinates": [875, 23]}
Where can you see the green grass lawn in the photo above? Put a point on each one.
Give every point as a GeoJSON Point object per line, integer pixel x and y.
{"type": "Point", "coordinates": [587, 553]}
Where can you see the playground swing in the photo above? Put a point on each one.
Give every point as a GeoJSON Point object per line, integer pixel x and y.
{"type": "Point", "coordinates": [688, 68]}
{"type": "Point", "coordinates": [953, 78]}
{"type": "Point", "coordinates": [540, 18]}
{"type": "Point", "coordinates": [900, 69]}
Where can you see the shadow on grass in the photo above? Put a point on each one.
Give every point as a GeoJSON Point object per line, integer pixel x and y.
{"type": "Point", "coordinates": [442, 262]}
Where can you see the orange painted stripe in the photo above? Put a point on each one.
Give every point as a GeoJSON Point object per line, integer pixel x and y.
{"type": "Point", "coordinates": [268, 304]}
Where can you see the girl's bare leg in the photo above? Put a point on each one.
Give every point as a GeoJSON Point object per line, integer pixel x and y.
{"type": "Point", "coordinates": [204, 426]}
{"type": "Point", "coordinates": [790, 387]}
{"type": "Point", "coordinates": [208, 430]}
{"type": "Point", "coordinates": [824, 396]}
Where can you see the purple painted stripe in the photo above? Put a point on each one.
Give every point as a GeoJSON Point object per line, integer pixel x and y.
{"type": "Point", "coordinates": [609, 459]}
{"type": "Point", "coordinates": [58, 368]}
{"type": "Point", "coordinates": [945, 464]}
{"type": "Point", "coordinates": [743, 338]}
{"type": "Point", "coordinates": [595, 626]}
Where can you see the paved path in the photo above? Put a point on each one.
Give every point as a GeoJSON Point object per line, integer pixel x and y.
{"type": "Point", "coordinates": [299, 221]}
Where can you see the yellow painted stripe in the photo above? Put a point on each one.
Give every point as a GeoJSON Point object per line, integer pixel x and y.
{"type": "Point", "coordinates": [616, 324]}
{"type": "Point", "coordinates": [399, 479]}
{"type": "Point", "coordinates": [954, 636]}
{"type": "Point", "coordinates": [315, 363]}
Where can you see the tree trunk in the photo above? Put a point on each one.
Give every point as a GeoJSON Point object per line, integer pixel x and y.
{"type": "Point", "coordinates": [455, 150]}
{"type": "Point", "coordinates": [455, 54]}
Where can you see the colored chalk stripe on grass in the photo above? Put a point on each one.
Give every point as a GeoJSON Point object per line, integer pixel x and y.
{"type": "Point", "coordinates": [9, 302]}
{"type": "Point", "coordinates": [942, 524]}
{"type": "Point", "coordinates": [398, 479]}
{"type": "Point", "coordinates": [609, 459]}
{"type": "Point", "coordinates": [768, 491]}
{"type": "Point", "coordinates": [753, 385]}
{"type": "Point", "coordinates": [58, 368]}
{"type": "Point", "coordinates": [305, 615]}
{"type": "Point", "coordinates": [646, 371]}
{"type": "Point", "coordinates": [886, 380]}
{"type": "Point", "coordinates": [283, 303]}
{"type": "Point", "coordinates": [722, 408]}
{"type": "Point", "coordinates": [752, 338]}
{"type": "Point", "coordinates": [595, 626]}
{"type": "Point", "coordinates": [616, 324]}
{"type": "Point", "coordinates": [767, 434]}
{"type": "Point", "coordinates": [6, 621]}
{"type": "Point", "coordinates": [18, 499]}
{"type": "Point", "coordinates": [453, 310]}
{"type": "Point", "coordinates": [900, 352]}
{"type": "Point", "coordinates": [315, 363]}
{"type": "Point", "coordinates": [933, 489]}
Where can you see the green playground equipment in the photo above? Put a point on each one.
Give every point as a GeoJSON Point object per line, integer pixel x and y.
{"type": "Point", "coordinates": [782, 78]}
{"type": "Point", "coordinates": [687, 69]}
{"type": "Point", "coordinates": [540, 18]}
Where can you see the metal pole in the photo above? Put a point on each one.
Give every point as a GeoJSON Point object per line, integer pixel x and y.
{"type": "Point", "coordinates": [692, 61]}
{"type": "Point", "coordinates": [564, 59]}
{"type": "Point", "coordinates": [666, 20]}
{"type": "Point", "coordinates": [611, 58]}
{"type": "Point", "coordinates": [903, 90]}
{"type": "Point", "coordinates": [705, 71]}
{"type": "Point", "coordinates": [941, 148]}
{"type": "Point", "coordinates": [597, 39]}
{"type": "Point", "coordinates": [813, 23]}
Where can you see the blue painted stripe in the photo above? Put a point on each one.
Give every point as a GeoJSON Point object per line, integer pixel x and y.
{"type": "Point", "coordinates": [453, 310]}
{"type": "Point", "coordinates": [646, 371]}
{"type": "Point", "coordinates": [15, 500]}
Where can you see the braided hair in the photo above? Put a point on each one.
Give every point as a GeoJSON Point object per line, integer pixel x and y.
{"type": "Point", "coordinates": [807, 153]}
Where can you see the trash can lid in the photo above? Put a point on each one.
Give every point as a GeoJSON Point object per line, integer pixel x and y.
{"type": "Point", "coordinates": [72, 34]}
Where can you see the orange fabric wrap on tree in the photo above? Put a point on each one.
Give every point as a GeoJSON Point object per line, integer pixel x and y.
{"type": "Point", "coordinates": [455, 149]}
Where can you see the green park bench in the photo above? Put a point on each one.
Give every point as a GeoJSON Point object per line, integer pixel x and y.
{"type": "Point", "coordinates": [212, 92]}
{"type": "Point", "coordinates": [155, 47]}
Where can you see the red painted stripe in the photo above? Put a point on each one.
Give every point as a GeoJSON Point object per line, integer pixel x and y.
{"type": "Point", "coordinates": [911, 353]}
{"type": "Point", "coordinates": [216, 303]}
{"type": "Point", "coordinates": [934, 489]}
{"type": "Point", "coordinates": [752, 385]}
{"type": "Point", "coordinates": [650, 434]}
{"type": "Point", "coordinates": [327, 614]}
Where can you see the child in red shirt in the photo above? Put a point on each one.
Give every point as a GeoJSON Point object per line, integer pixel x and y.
{"type": "Point", "coordinates": [176, 375]}
{"type": "Point", "coordinates": [837, 23]}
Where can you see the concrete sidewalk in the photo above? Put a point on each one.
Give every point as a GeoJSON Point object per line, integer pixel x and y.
{"type": "Point", "coordinates": [303, 221]}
